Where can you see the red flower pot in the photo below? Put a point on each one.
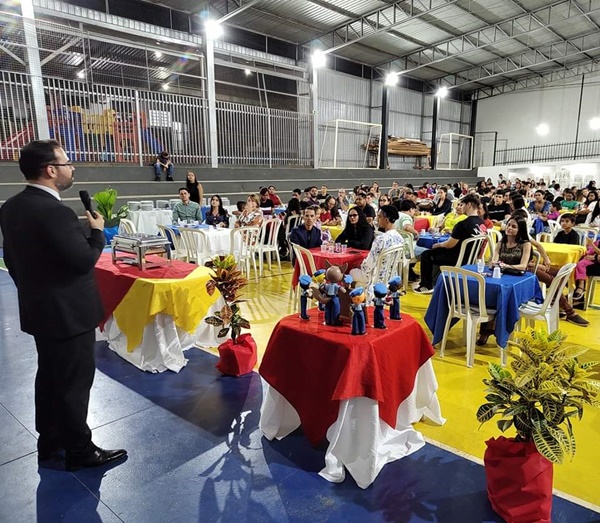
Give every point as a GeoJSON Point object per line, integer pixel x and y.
{"type": "Point", "coordinates": [519, 481]}
{"type": "Point", "coordinates": [237, 358]}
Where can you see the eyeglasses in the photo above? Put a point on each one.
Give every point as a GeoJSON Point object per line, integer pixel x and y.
{"type": "Point", "coordinates": [61, 164]}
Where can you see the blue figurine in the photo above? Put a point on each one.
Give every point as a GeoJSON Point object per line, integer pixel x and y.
{"type": "Point", "coordinates": [394, 286]}
{"type": "Point", "coordinates": [357, 299]}
{"type": "Point", "coordinates": [334, 278]}
{"type": "Point", "coordinates": [305, 282]}
{"type": "Point", "coordinates": [380, 292]}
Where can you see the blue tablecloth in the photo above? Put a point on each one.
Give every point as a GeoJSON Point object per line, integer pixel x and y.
{"type": "Point", "coordinates": [176, 228]}
{"type": "Point", "coordinates": [427, 240]}
{"type": "Point", "coordinates": [505, 295]}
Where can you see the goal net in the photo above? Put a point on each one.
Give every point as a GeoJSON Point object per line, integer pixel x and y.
{"type": "Point", "coordinates": [455, 152]}
{"type": "Point", "coordinates": [350, 145]}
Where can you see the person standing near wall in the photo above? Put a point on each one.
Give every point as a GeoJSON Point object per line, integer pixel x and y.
{"type": "Point", "coordinates": [51, 261]}
{"type": "Point", "coordinates": [194, 187]}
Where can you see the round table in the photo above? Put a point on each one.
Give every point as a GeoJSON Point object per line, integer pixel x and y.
{"type": "Point", "coordinates": [147, 221]}
{"type": "Point", "coordinates": [427, 240]}
{"type": "Point", "coordinates": [353, 257]}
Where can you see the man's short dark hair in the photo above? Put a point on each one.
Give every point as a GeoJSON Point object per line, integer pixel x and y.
{"type": "Point", "coordinates": [390, 212]}
{"type": "Point", "coordinates": [240, 205]}
{"type": "Point", "coordinates": [472, 199]}
{"type": "Point", "coordinates": [518, 202]}
{"type": "Point", "coordinates": [407, 205]}
{"type": "Point", "coordinates": [264, 190]}
{"type": "Point", "coordinates": [304, 205]}
{"type": "Point", "coordinates": [36, 155]}
{"type": "Point", "coordinates": [298, 191]}
{"type": "Point", "coordinates": [182, 189]}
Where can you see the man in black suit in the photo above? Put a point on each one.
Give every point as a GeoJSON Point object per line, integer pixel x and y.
{"type": "Point", "coordinates": [52, 263]}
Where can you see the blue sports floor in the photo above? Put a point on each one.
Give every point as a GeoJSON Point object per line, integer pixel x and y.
{"type": "Point", "coordinates": [196, 454]}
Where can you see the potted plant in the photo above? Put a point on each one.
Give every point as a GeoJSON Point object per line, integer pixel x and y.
{"type": "Point", "coordinates": [546, 388]}
{"type": "Point", "coordinates": [237, 355]}
{"type": "Point", "coordinates": [105, 201]}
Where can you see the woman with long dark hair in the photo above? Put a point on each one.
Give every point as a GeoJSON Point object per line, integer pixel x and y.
{"type": "Point", "coordinates": [443, 204]}
{"type": "Point", "coordinates": [217, 215]}
{"type": "Point", "coordinates": [331, 216]}
{"type": "Point", "coordinates": [194, 187]}
{"type": "Point", "coordinates": [514, 252]}
{"type": "Point", "coordinates": [357, 234]}
{"type": "Point", "coordinates": [593, 209]}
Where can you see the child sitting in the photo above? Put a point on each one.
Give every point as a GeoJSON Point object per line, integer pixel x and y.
{"type": "Point", "coordinates": [568, 235]}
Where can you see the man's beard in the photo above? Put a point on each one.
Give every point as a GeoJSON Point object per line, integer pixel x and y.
{"type": "Point", "coordinates": [67, 185]}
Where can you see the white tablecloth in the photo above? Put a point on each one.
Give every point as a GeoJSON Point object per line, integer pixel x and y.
{"type": "Point", "coordinates": [147, 221]}
{"type": "Point", "coordinates": [163, 342]}
{"type": "Point", "coordinates": [359, 440]}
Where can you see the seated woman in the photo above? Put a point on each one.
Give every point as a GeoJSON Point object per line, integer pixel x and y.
{"type": "Point", "coordinates": [331, 216]}
{"type": "Point", "coordinates": [453, 217]}
{"type": "Point", "coordinates": [483, 214]}
{"type": "Point", "coordinates": [217, 215]}
{"type": "Point", "coordinates": [581, 269]}
{"type": "Point", "coordinates": [443, 204]}
{"type": "Point", "coordinates": [252, 215]}
{"type": "Point", "coordinates": [358, 234]}
{"type": "Point", "coordinates": [514, 252]}
{"type": "Point", "coordinates": [384, 199]}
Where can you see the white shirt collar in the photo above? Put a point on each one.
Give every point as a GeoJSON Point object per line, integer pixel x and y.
{"type": "Point", "coordinates": [47, 189]}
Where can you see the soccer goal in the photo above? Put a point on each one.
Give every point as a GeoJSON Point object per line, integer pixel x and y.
{"type": "Point", "coordinates": [455, 152]}
{"type": "Point", "coordinates": [348, 145]}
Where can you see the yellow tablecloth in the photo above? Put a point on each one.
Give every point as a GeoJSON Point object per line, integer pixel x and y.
{"type": "Point", "coordinates": [334, 230]}
{"type": "Point", "coordinates": [185, 300]}
{"type": "Point", "coordinates": [561, 254]}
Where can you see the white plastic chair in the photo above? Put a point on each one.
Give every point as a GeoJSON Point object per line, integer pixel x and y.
{"type": "Point", "coordinates": [460, 307]}
{"type": "Point", "coordinates": [549, 236]}
{"type": "Point", "coordinates": [268, 245]}
{"type": "Point", "coordinates": [589, 294]}
{"type": "Point", "coordinates": [180, 250]}
{"type": "Point", "coordinates": [583, 233]}
{"type": "Point", "coordinates": [494, 238]}
{"type": "Point", "coordinates": [409, 255]}
{"type": "Point", "coordinates": [196, 244]}
{"type": "Point", "coordinates": [306, 263]}
{"type": "Point", "coordinates": [390, 262]}
{"type": "Point", "coordinates": [293, 221]}
{"type": "Point", "coordinates": [243, 245]}
{"type": "Point", "coordinates": [548, 310]}
{"type": "Point", "coordinates": [127, 226]}
{"type": "Point", "coordinates": [471, 250]}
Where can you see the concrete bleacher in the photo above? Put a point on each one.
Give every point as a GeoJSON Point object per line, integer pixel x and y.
{"type": "Point", "coordinates": [235, 183]}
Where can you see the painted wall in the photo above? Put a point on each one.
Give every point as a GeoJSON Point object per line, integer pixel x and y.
{"type": "Point", "coordinates": [516, 115]}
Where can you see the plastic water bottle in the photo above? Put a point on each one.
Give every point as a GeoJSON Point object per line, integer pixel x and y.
{"type": "Point", "coordinates": [497, 274]}
{"type": "Point", "coordinates": [480, 266]}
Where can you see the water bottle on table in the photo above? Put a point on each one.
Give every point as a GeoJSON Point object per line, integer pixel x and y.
{"type": "Point", "coordinates": [480, 266]}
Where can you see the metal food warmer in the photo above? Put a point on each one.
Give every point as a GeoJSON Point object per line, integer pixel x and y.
{"type": "Point", "coordinates": [137, 246]}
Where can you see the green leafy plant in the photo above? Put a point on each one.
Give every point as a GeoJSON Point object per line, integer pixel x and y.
{"type": "Point", "coordinates": [546, 389]}
{"type": "Point", "coordinates": [105, 201]}
{"type": "Point", "coordinates": [228, 280]}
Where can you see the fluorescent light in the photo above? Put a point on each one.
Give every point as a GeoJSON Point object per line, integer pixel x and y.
{"type": "Point", "coordinates": [442, 92]}
{"type": "Point", "coordinates": [319, 59]}
{"type": "Point", "coordinates": [595, 123]}
{"type": "Point", "coordinates": [543, 129]}
{"type": "Point", "coordinates": [391, 79]}
{"type": "Point", "coordinates": [213, 29]}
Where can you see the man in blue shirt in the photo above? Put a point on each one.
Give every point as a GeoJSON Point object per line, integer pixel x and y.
{"type": "Point", "coordinates": [307, 235]}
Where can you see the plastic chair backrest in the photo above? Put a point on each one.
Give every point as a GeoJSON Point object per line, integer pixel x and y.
{"type": "Point", "coordinates": [556, 287]}
{"type": "Point", "coordinates": [494, 238]}
{"type": "Point", "coordinates": [126, 226]}
{"type": "Point", "coordinates": [176, 240]}
{"type": "Point", "coordinates": [457, 291]}
{"type": "Point", "coordinates": [471, 250]}
{"type": "Point", "coordinates": [293, 221]}
{"type": "Point", "coordinates": [248, 240]}
{"type": "Point", "coordinates": [269, 230]}
{"type": "Point", "coordinates": [583, 234]}
{"type": "Point", "coordinates": [409, 244]}
{"type": "Point", "coordinates": [305, 259]}
{"type": "Point", "coordinates": [537, 256]}
{"type": "Point", "coordinates": [196, 244]}
{"type": "Point", "coordinates": [389, 263]}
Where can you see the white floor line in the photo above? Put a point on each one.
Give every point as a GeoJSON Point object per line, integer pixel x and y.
{"type": "Point", "coordinates": [479, 461]}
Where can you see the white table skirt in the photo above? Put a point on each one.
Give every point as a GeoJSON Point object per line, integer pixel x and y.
{"type": "Point", "coordinates": [147, 221]}
{"type": "Point", "coordinates": [163, 342]}
{"type": "Point", "coordinates": [360, 440]}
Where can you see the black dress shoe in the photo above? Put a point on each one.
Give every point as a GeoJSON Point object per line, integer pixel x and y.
{"type": "Point", "coordinates": [94, 459]}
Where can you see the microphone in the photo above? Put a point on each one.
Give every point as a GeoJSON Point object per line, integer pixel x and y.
{"type": "Point", "coordinates": [87, 202]}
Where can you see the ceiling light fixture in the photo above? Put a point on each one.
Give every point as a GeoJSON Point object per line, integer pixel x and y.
{"type": "Point", "coordinates": [595, 123]}
{"type": "Point", "coordinates": [319, 59]}
{"type": "Point", "coordinates": [165, 86]}
{"type": "Point", "coordinates": [81, 74]}
{"type": "Point", "coordinates": [543, 129]}
{"type": "Point", "coordinates": [391, 79]}
{"type": "Point", "coordinates": [213, 29]}
{"type": "Point", "coordinates": [248, 72]}
{"type": "Point", "coordinates": [158, 54]}
{"type": "Point", "coordinates": [442, 92]}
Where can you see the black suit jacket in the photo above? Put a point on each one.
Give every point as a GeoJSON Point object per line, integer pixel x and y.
{"type": "Point", "coordinates": [52, 263]}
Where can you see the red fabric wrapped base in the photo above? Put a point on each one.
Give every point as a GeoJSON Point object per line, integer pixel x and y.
{"type": "Point", "coordinates": [237, 358]}
{"type": "Point", "coordinates": [519, 481]}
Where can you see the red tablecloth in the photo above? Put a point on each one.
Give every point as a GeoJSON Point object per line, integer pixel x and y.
{"type": "Point", "coordinates": [114, 281]}
{"type": "Point", "coordinates": [353, 257]}
{"type": "Point", "coordinates": [314, 366]}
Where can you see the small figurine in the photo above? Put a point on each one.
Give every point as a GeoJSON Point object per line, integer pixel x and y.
{"type": "Point", "coordinates": [328, 292]}
{"type": "Point", "coordinates": [357, 297]}
{"type": "Point", "coordinates": [319, 279]}
{"type": "Point", "coordinates": [394, 286]}
{"type": "Point", "coordinates": [305, 282]}
{"type": "Point", "coordinates": [380, 292]}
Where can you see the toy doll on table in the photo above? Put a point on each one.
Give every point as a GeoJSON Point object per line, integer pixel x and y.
{"type": "Point", "coordinates": [393, 297]}
{"type": "Point", "coordinates": [357, 298]}
{"type": "Point", "coordinates": [380, 291]}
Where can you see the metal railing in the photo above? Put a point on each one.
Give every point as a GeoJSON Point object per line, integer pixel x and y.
{"type": "Point", "coordinates": [101, 123]}
{"type": "Point", "coordinates": [547, 153]}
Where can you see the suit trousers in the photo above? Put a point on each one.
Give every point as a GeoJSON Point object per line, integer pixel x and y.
{"type": "Point", "coordinates": [63, 381]}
